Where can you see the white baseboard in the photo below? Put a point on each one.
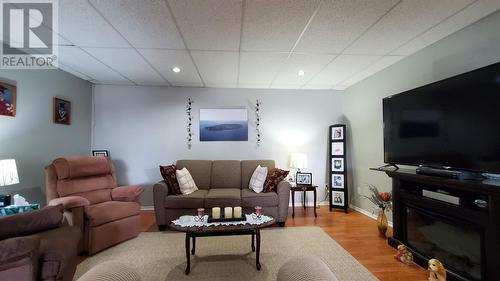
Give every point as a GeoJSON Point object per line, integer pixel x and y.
{"type": "Point", "coordinates": [147, 208]}
{"type": "Point", "coordinates": [366, 213]}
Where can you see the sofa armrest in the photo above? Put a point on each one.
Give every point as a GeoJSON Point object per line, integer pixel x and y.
{"type": "Point", "coordinates": [70, 202]}
{"type": "Point", "coordinates": [130, 193]}
{"type": "Point", "coordinates": [18, 248]}
{"type": "Point", "coordinates": [160, 191]}
{"type": "Point", "coordinates": [283, 190]}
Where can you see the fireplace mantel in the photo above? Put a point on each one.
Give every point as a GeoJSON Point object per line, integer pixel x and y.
{"type": "Point", "coordinates": [407, 189]}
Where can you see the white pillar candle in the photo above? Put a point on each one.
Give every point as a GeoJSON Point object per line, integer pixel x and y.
{"type": "Point", "coordinates": [228, 212]}
{"type": "Point", "coordinates": [237, 212]}
{"type": "Point", "coordinates": [216, 212]}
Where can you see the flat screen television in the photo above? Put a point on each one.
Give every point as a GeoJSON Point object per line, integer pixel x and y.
{"type": "Point", "coordinates": [452, 124]}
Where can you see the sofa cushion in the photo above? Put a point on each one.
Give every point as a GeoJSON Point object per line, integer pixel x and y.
{"type": "Point", "coordinates": [105, 212]}
{"type": "Point", "coordinates": [274, 177]}
{"type": "Point", "coordinates": [191, 201]}
{"type": "Point", "coordinates": [248, 167]}
{"type": "Point", "coordinates": [201, 171]}
{"type": "Point", "coordinates": [186, 182]}
{"type": "Point", "coordinates": [226, 174]}
{"type": "Point", "coordinates": [250, 199]}
{"type": "Point", "coordinates": [223, 197]}
{"type": "Point", "coordinates": [258, 179]}
{"type": "Point", "coordinates": [168, 174]}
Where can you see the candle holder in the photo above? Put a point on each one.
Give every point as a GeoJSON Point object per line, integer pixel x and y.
{"type": "Point", "coordinates": [201, 215]}
{"type": "Point", "coordinates": [258, 213]}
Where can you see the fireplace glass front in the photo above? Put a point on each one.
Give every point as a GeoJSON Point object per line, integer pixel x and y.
{"type": "Point", "coordinates": [458, 246]}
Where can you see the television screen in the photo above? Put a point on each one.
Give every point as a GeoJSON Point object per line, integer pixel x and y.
{"type": "Point", "coordinates": [453, 123]}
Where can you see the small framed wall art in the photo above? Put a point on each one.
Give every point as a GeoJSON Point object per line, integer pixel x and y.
{"type": "Point", "coordinates": [61, 111]}
{"type": "Point", "coordinates": [304, 178]}
{"type": "Point", "coordinates": [100, 152]}
{"type": "Point", "coordinates": [7, 99]}
{"type": "Point", "coordinates": [338, 190]}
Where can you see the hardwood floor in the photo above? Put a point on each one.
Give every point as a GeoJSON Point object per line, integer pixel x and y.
{"type": "Point", "coordinates": [355, 232]}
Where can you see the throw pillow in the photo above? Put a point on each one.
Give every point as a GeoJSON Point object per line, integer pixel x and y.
{"type": "Point", "coordinates": [168, 174]}
{"type": "Point", "coordinates": [274, 177]}
{"type": "Point", "coordinates": [258, 178]}
{"type": "Point", "coordinates": [186, 182]}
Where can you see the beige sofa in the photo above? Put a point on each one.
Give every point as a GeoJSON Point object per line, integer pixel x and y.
{"type": "Point", "coordinates": [221, 183]}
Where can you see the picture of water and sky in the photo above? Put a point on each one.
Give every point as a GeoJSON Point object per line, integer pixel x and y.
{"type": "Point", "coordinates": [224, 124]}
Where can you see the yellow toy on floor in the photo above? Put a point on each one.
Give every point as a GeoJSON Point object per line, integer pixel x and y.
{"type": "Point", "coordinates": [437, 272]}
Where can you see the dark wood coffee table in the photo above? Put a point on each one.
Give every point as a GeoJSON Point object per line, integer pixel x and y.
{"type": "Point", "coordinates": [222, 230]}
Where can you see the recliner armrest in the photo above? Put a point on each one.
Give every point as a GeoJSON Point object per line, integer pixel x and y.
{"type": "Point", "coordinates": [130, 193]}
{"type": "Point", "coordinates": [70, 202]}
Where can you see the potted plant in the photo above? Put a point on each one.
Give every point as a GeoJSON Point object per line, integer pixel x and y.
{"type": "Point", "coordinates": [382, 201]}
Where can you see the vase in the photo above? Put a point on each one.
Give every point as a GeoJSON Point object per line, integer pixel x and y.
{"type": "Point", "coordinates": [382, 223]}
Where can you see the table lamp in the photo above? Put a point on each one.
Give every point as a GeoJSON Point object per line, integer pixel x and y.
{"type": "Point", "coordinates": [298, 161]}
{"type": "Point", "coordinates": [8, 176]}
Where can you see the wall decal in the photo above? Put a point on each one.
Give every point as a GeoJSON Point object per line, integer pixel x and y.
{"type": "Point", "coordinates": [257, 121]}
{"type": "Point", "coordinates": [189, 137]}
{"type": "Point", "coordinates": [229, 124]}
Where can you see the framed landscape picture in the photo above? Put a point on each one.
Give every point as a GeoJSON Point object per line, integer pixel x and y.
{"type": "Point", "coordinates": [7, 99]}
{"type": "Point", "coordinates": [228, 124]}
{"type": "Point", "coordinates": [61, 111]}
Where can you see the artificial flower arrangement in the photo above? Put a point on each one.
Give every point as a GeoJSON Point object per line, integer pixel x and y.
{"type": "Point", "coordinates": [383, 201]}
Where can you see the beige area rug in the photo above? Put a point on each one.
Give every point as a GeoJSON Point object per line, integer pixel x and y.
{"type": "Point", "coordinates": [160, 256]}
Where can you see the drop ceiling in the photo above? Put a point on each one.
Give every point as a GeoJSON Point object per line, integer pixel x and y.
{"type": "Point", "coordinates": [251, 43]}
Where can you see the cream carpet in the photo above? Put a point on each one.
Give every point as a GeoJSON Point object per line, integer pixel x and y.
{"type": "Point", "coordinates": [160, 256]}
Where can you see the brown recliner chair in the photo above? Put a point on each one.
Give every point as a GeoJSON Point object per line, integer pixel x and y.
{"type": "Point", "coordinates": [86, 186]}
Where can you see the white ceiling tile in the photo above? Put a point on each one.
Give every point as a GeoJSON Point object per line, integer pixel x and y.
{"type": "Point", "coordinates": [82, 62]}
{"type": "Point", "coordinates": [407, 20]}
{"type": "Point", "coordinates": [209, 24]}
{"type": "Point", "coordinates": [217, 67]}
{"type": "Point", "coordinates": [275, 25]}
{"type": "Point", "coordinates": [317, 86]}
{"type": "Point", "coordinates": [471, 14]}
{"type": "Point", "coordinates": [253, 86]}
{"type": "Point", "coordinates": [338, 23]}
{"type": "Point", "coordinates": [221, 85]}
{"type": "Point", "coordinates": [80, 23]}
{"type": "Point", "coordinates": [145, 24]}
{"type": "Point", "coordinates": [260, 67]}
{"type": "Point", "coordinates": [113, 82]}
{"type": "Point", "coordinates": [165, 60]}
{"type": "Point", "coordinates": [311, 64]}
{"type": "Point", "coordinates": [74, 72]}
{"type": "Point", "coordinates": [377, 66]}
{"type": "Point", "coordinates": [342, 68]}
{"type": "Point", "coordinates": [129, 63]}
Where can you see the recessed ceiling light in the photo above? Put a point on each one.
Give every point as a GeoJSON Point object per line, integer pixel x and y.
{"type": "Point", "coordinates": [301, 72]}
{"type": "Point", "coordinates": [176, 69]}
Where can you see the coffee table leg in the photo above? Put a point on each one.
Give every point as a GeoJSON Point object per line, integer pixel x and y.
{"type": "Point", "coordinates": [194, 245]}
{"type": "Point", "coordinates": [257, 255]}
{"type": "Point", "coordinates": [253, 242]}
{"type": "Point", "coordinates": [188, 258]}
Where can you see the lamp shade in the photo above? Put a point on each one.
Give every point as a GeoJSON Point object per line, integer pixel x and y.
{"type": "Point", "coordinates": [298, 160]}
{"type": "Point", "coordinates": [8, 172]}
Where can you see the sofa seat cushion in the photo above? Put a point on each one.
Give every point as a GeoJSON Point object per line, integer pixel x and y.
{"type": "Point", "coordinates": [190, 201]}
{"type": "Point", "coordinates": [109, 211]}
{"type": "Point", "coordinates": [250, 199]}
{"type": "Point", "coordinates": [58, 251]}
{"type": "Point", "coordinates": [223, 197]}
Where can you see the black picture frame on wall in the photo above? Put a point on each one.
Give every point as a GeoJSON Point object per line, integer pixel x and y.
{"type": "Point", "coordinates": [338, 191]}
{"type": "Point", "coordinates": [100, 152]}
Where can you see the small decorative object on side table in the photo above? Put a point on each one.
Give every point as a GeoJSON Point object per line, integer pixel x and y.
{"type": "Point", "coordinates": [303, 188]}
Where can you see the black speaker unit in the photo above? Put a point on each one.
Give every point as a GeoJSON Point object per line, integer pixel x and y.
{"type": "Point", "coordinates": [5, 200]}
{"type": "Point", "coordinates": [444, 173]}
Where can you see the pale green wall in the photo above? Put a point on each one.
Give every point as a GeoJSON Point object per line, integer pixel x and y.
{"type": "Point", "coordinates": [473, 47]}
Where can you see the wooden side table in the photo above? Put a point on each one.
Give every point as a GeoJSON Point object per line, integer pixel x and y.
{"type": "Point", "coordinates": [303, 188]}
